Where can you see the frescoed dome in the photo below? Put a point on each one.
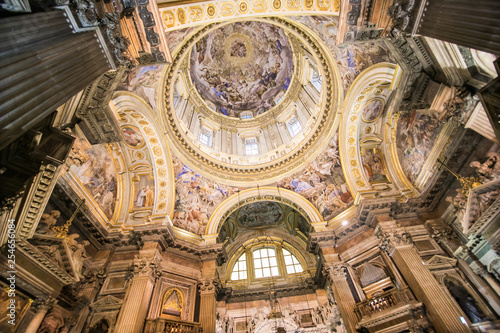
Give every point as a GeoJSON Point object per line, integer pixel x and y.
{"type": "Point", "coordinates": [242, 66]}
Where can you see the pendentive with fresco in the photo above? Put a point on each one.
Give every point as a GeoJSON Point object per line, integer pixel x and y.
{"type": "Point", "coordinates": [283, 172]}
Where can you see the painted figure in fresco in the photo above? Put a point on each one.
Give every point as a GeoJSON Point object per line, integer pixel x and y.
{"type": "Point", "coordinates": [141, 198]}
{"type": "Point", "coordinates": [149, 197]}
{"type": "Point", "coordinates": [131, 137]}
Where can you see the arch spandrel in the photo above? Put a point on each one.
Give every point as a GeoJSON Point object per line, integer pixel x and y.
{"type": "Point", "coordinates": [370, 166]}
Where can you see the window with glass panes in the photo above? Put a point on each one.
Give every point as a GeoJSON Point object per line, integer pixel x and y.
{"type": "Point", "coordinates": [291, 263]}
{"type": "Point", "coordinates": [265, 263]}
{"type": "Point", "coordinates": [251, 146]}
{"type": "Point", "coordinates": [240, 269]}
{"type": "Point", "coordinates": [294, 126]}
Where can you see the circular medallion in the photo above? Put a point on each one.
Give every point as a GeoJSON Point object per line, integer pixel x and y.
{"type": "Point", "coordinates": [211, 11]}
{"type": "Point", "coordinates": [373, 110]}
{"type": "Point", "coordinates": [243, 7]}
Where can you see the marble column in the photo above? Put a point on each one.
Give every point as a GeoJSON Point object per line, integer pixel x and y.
{"type": "Point", "coordinates": [442, 309]}
{"type": "Point", "coordinates": [142, 274]}
{"type": "Point", "coordinates": [336, 273]}
{"type": "Point", "coordinates": [42, 306]}
{"type": "Point", "coordinates": [208, 288]}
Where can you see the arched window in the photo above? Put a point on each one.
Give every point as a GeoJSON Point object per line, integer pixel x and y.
{"type": "Point", "coordinates": [268, 261]}
{"type": "Point", "coordinates": [240, 269]}
{"type": "Point", "coordinates": [265, 263]}
{"type": "Point", "coordinates": [291, 263]}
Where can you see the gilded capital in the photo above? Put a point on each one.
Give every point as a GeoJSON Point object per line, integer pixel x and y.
{"type": "Point", "coordinates": [143, 267]}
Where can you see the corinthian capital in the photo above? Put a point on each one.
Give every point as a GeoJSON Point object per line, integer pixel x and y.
{"type": "Point", "coordinates": [209, 286]}
{"type": "Point", "coordinates": [390, 240]}
{"type": "Point", "coordinates": [334, 270]}
{"type": "Point", "coordinates": [44, 303]}
{"type": "Point", "coordinates": [144, 267]}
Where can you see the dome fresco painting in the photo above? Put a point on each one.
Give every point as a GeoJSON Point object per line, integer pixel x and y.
{"type": "Point", "coordinates": [242, 66]}
{"type": "Point", "coordinates": [263, 166]}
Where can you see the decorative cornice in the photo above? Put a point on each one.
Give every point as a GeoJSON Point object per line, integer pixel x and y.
{"type": "Point", "coordinates": [94, 110]}
{"type": "Point", "coordinates": [48, 265]}
{"type": "Point", "coordinates": [317, 240]}
{"type": "Point", "coordinates": [390, 240]}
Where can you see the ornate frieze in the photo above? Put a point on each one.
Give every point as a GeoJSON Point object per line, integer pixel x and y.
{"type": "Point", "coordinates": [192, 14]}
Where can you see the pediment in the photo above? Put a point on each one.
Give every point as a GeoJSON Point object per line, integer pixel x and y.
{"type": "Point", "coordinates": [440, 261]}
{"type": "Point", "coordinates": [107, 303]}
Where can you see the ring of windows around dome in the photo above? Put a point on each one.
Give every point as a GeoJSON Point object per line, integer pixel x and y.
{"type": "Point", "coordinates": [252, 145]}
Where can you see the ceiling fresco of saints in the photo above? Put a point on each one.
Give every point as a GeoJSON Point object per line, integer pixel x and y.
{"type": "Point", "coordinates": [259, 214]}
{"type": "Point", "coordinates": [417, 131]}
{"type": "Point", "coordinates": [322, 183]}
{"type": "Point", "coordinates": [196, 198]}
{"type": "Point", "coordinates": [93, 166]}
{"type": "Point", "coordinates": [242, 66]}
{"type": "Point", "coordinates": [143, 81]}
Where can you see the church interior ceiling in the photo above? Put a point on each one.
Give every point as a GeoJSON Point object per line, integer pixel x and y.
{"type": "Point", "coordinates": [228, 69]}
{"type": "Point", "coordinates": [271, 166]}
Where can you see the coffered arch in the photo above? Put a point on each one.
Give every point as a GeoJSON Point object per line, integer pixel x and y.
{"type": "Point", "coordinates": [290, 198]}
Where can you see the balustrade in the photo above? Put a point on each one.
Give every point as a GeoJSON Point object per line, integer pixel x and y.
{"type": "Point", "coordinates": [162, 325]}
{"type": "Point", "coordinates": [387, 300]}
